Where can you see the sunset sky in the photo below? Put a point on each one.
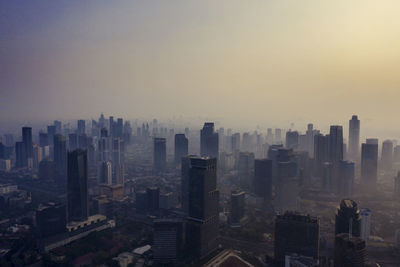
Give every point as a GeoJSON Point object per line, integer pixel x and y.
{"type": "Point", "coordinates": [256, 62]}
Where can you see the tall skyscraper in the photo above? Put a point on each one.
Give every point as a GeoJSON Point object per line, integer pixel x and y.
{"type": "Point", "coordinates": [77, 186]}
{"type": "Point", "coordinates": [153, 198]}
{"type": "Point", "coordinates": [72, 141]}
{"type": "Point", "coordinates": [296, 233]}
{"type": "Point", "coordinates": [20, 157]}
{"type": "Point", "coordinates": [203, 220]}
{"type": "Point", "coordinates": [81, 127]}
{"type": "Point", "coordinates": [27, 140]}
{"type": "Point", "coordinates": [263, 178]}
{"type": "Point", "coordinates": [365, 223]}
{"type": "Point", "coordinates": [237, 206]}
{"type": "Point", "coordinates": [397, 186]}
{"type": "Point", "coordinates": [181, 147]}
{"type": "Point", "coordinates": [292, 139]}
{"type": "Point", "coordinates": [185, 169]}
{"type": "Point", "coordinates": [43, 139]}
{"type": "Point", "coordinates": [354, 138]}
{"type": "Point", "coordinates": [369, 164]}
{"type": "Point", "coordinates": [345, 181]}
{"type": "Point", "coordinates": [60, 155]}
{"type": "Point", "coordinates": [208, 141]}
{"type": "Point", "coordinates": [235, 146]}
{"type": "Point", "coordinates": [168, 241]}
{"type": "Point", "coordinates": [321, 152]}
{"type": "Point", "coordinates": [350, 251]}
{"type": "Point", "coordinates": [51, 132]}
{"type": "Point", "coordinates": [51, 219]}
{"type": "Point", "coordinates": [348, 218]}
{"type": "Point", "coordinates": [387, 155]}
{"type": "Point", "coordinates": [105, 173]}
{"type": "Point", "coordinates": [160, 154]}
{"type": "Point", "coordinates": [335, 144]}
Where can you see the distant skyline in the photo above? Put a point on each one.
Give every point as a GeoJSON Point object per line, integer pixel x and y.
{"type": "Point", "coordinates": [267, 63]}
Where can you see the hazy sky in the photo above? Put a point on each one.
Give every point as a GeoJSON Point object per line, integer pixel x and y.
{"type": "Point", "coordinates": [255, 61]}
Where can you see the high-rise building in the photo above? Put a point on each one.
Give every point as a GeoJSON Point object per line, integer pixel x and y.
{"type": "Point", "coordinates": [181, 147]}
{"type": "Point", "coordinates": [57, 126]}
{"type": "Point", "coordinates": [369, 164]}
{"type": "Point", "coordinates": [185, 169]}
{"type": "Point", "coordinates": [245, 168]}
{"type": "Point", "coordinates": [278, 136]}
{"type": "Point", "coordinates": [296, 233]}
{"type": "Point", "coordinates": [60, 155]}
{"type": "Point", "coordinates": [237, 206]}
{"type": "Point", "coordinates": [20, 158]}
{"type": "Point", "coordinates": [350, 251]}
{"type": "Point", "coordinates": [141, 202]}
{"type": "Point", "coordinates": [51, 219]}
{"type": "Point", "coordinates": [77, 186]}
{"type": "Point", "coordinates": [287, 186]}
{"type": "Point", "coordinates": [365, 223]}
{"type": "Point", "coordinates": [43, 139]}
{"type": "Point", "coordinates": [348, 218]}
{"type": "Point", "coordinates": [396, 154]}
{"type": "Point", "coordinates": [72, 141]}
{"type": "Point", "coordinates": [321, 152]}
{"type": "Point", "coordinates": [105, 173]}
{"type": "Point", "coordinates": [208, 141]}
{"type": "Point", "coordinates": [153, 198]}
{"type": "Point", "coordinates": [117, 164]}
{"type": "Point", "coordinates": [397, 186]}
{"type": "Point", "coordinates": [387, 155]}
{"type": "Point", "coordinates": [81, 127]}
{"type": "Point", "coordinates": [292, 139]}
{"type": "Point", "coordinates": [345, 179]}
{"type": "Point", "coordinates": [335, 147]}
{"type": "Point", "coordinates": [354, 138]}
{"type": "Point", "coordinates": [27, 140]}
{"type": "Point", "coordinates": [203, 220]}
{"type": "Point", "coordinates": [263, 178]}
{"type": "Point", "coordinates": [51, 132]}
{"type": "Point", "coordinates": [168, 241]}
{"type": "Point", "coordinates": [235, 146]}
{"type": "Point", "coordinates": [160, 154]}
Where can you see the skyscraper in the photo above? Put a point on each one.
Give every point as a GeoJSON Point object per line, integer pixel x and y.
{"type": "Point", "coordinates": [27, 140]}
{"type": "Point", "coordinates": [237, 206]}
{"type": "Point", "coordinates": [348, 218]}
{"type": "Point", "coordinates": [60, 155]}
{"type": "Point", "coordinates": [354, 138]}
{"type": "Point", "coordinates": [20, 157]}
{"type": "Point", "coordinates": [397, 186]}
{"type": "Point", "coordinates": [263, 178]}
{"type": "Point", "coordinates": [202, 228]}
{"type": "Point", "coordinates": [321, 152]}
{"type": "Point", "coordinates": [208, 141]}
{"type": "Point", "coordinates": [292, 139]}
{"type": "Point", "coordinates": [369, 164]}
{"type": "Point", "coordinates": [345, 181]}
{"type": "Point", "coordinates": [181, 147]}
{"type": "Point", "coordinates": [81, 127]}
{"type": "Point", "coordinates": [168, 241]}
{"type": "Point", "coordinates": [153, 198]}
{"type": "Point", "coordinates": [350, 251]}
{"type": "Point", "coordinates": [335, 144]}
{"type": "Point", "coordinates": [296, 233]}
{"type": "Point", "coordinates": [160, 154]}
{"type": "Point", "coordinates": [77, 186]}
{"type": "Point", "coordinates": [387, 155]}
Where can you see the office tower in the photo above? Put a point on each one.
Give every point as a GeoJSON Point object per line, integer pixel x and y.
{"type": "Point", "coordinates": [72, 141]}
{"type": "Point", "coordinates": [246, 142]}
{"type": "Point", "coordinates": [27, 140]}
{"type": "Point", "coordinates": [296, 233]}
{"type": "Point", "coordinates": [141, 202]}
{"type": "Point", "coordinates": [81, 127]}
{"type": "Point", "coordinates": [181, 147]}
{"type": "Point", "coordinates": [287, 186]}
{"type": "Point", "coordinates": [111, 125]}
{"type": "Point", "coordinates": [185, 169]}
{"type": "Point", "coordinates": [119, 128]}
{"type": "Point", "coordinates": [51, 219]}
{"type": "Point", "coordinates": [345, 179]}
{"type": "Point", "coordinates": [310, 139]}
{"type": "Point", "coordinates": [387, 155]}
{"type": "Point", "coordinates": [396, 154]}
{"type": "Point", "coordinates": [43, 139]}
{"type": "Point", "coordinates": [105, 173]}
{"type": "Point", "coordinates": [208, 141]}
{"type": "Point", "coordinates": [350, 251]}
{"type": "Point", "coordinates": [36, 156]}
{"type": "Point", "coordinates": [57, 126]}
{"type": "Point", "coordinates": [2, 151]}
{"type": "Point", "coordinates": [365, 223]}
{"type": "Point", "coordinates": [354, 138]}
{"type": "Point", "coordinates": [153, 198]}
{"type": "Point", "coordinates": [51, 132]}
{"type": "Point", "coordinates": [237, 206]}
{"type": "Point", "coordinates": [203, 220]}
{"type": "Point", "coordinates": [303, 145]}
{"type": "Point", "coordinates": [5, 165]}
{"type": "Point", "coordinates": [269, 137]}
{"type": "Point", "coordinates": [335, 146]}
{"type": "Point", "coordinates": [246, 168]}
{"type": "Point", "coordinates": [278, 136]}
{"type": "Point", "coordinates": [397, 186]}
{"type": "Point", "coordinates": [46, 170]}
{"type": "Point", "coordinates": [103, 132]}
{"type": "Point", "coordinates": [168, 241]}
{"type": "Point", "coordinates": [263, 178]}
{"type": "Point", "coordinates": [292, 140]}
{"type": "Point", "coordinates": [60, 155]}
{"type": "Point", "coordinates": [20, 158]}
{"type": "Point", "coordinates": [83, 141]}
{"type": "Point", "coordinates": [348, 218]}
{"type": "Point", "coordinates": [369, 164]}
{"type": "Point", "coordinates": [118, 175]}
{"type": "Point", "coordinates": [160, 154]}
{"type": "Point", "coordinates": [235, 146]}
{"type": "Point", "coordinates": [77, 186]}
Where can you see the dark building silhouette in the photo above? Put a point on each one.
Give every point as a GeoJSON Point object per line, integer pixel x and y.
{"type": "Point", "coordinates": [345, 181]}
{"type": "Point", "coordinates": [168, 242]}
{"type": "Point", "coordinates": [237, 206]}
{"type": "Point", "coordinates": [51, 219]}
{"type": "Point", "coordinates": [350, 251]}
{"type": "Point", "coordinates": [153, 198]}
{"type": "Point", "coordinates": [208, 141]}
{"type": "Point", "coordinates": [263, 178]}
{"type": "Point", "coordinates": [296, 233]}
{"type": "Point", "coordinates": [348, 218]}
{"type": "Point", "coordinates": [335, 144]}
{"type": "Point", "coordinates": [185, 169]}
{"type": "Point", "coordinates": [43, 139]}
{"type": "Point", "coordinates": [141, 202]}
{"type": "Point", "coordinates": [292, 139]}
{"type": "Point", "coordinates": [354, 138]}
{"type": "Point", "coordinates": [60, 155]}
{"type": "Point", "coordinates": [46, 170]}
{"type": "Point", "coordinates": [181, 147]}
{"type": "Point", "coordinates": [81, 127]}
{"type": "Point", "coordinates": [203, 220]}
{"type": "Point", "coordinates": [77, 187]}
{"type": "Point", "coordinates": [321, 152]}
{"type": "Point", "coordinates": [369, 164]}
{"type": "Point", "coordinates": [27, 140]}
{"type": "Point", "coordinates": [20, 158]}
{"type": "Point", "coordinates": [160, 154]}
{"type": "Point", "coordinates": [387, 155]}
{"type": "Point", "coordinates": [72, 141]}
{"type": "Point", "coordinates": [51, 132]}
